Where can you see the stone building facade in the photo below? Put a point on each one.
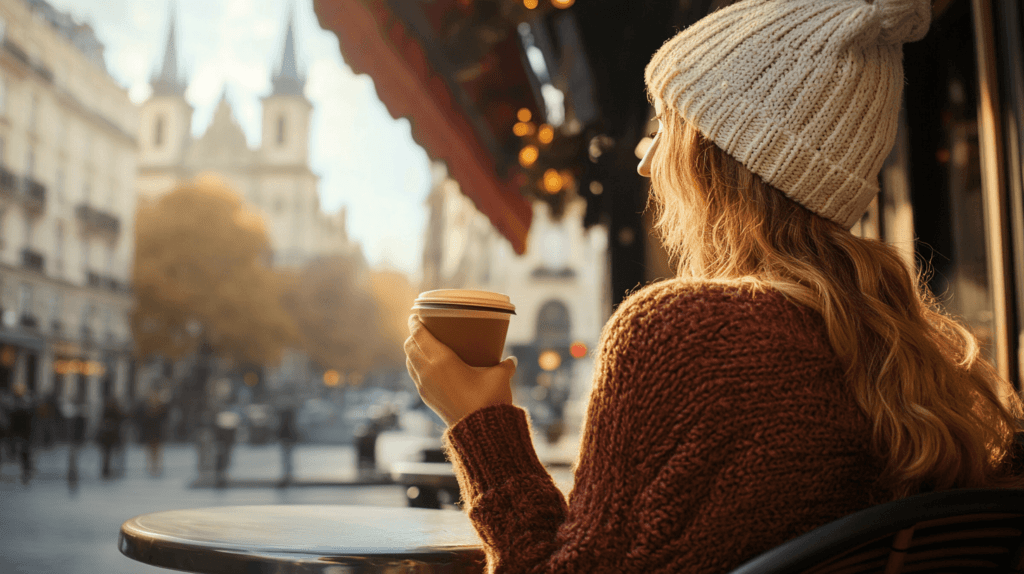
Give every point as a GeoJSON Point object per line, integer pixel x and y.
{"type": "Point", "coordinates": [275, 178]}
{"type": "Point", "coordinates": [559, 287]}
{"type": "Point", "coordinates": [67, 202]}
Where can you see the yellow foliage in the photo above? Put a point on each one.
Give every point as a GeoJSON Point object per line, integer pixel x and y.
{"type": "Point", "coordinates": [202, 270]}
{"type": "Point", "coordinates": [349, 318]}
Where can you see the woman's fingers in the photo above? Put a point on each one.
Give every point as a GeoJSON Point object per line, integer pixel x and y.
{"type": "Point", "coordinates": [428, 345]}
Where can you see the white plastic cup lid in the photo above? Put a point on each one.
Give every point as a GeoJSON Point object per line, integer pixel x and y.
{"type": "Point", "coordinates": [466, 298]}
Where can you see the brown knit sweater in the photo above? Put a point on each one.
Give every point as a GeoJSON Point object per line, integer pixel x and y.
{"type": "Point", "coordinates": [719, 426]}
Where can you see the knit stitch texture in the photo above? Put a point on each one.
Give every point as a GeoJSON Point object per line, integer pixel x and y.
{"type": "Point", "coordinates": [719, 426]}
{"type": "Point", "coordinates": [804, 93]}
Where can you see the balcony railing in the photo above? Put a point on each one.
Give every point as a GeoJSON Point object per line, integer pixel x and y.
{"type": "Point", "coordinates": [33, 260]}
{"type": "Point", "coordinates": [97, 220]}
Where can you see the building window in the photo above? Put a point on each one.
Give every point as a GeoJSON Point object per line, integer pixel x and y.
{"type": "Point", "coordinates": [158, 131]}
{"type": "Point", "coordinates": [108, 266]}
{"type": "Point", "coordinates": [58, 185]}
{"type": "Point", "coordinates": [85, 256]}
{"type": "Point", "coordinates": [30, 162]}
{"type": "Point", "coordinates": [33, 113]}
{"type": "Point", "coordinates": [30, 231]}
{"type": "Point", "coordinates": [56, 304]}
{"type": "Point", "coordinates": [280, 130]}
{"type": "Point", "coordinates": [88, 311]}
{"type": "Point", "coordinates": [58, 257]}
{"type": "Point", "coordinates": [25, 299]}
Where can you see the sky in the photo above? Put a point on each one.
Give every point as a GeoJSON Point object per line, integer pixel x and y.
{"type": "Point", "coordinates": [367, 160]}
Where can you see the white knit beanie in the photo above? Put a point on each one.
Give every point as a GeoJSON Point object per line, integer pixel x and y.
{"type": "Point", "coordinates": [804, 93]}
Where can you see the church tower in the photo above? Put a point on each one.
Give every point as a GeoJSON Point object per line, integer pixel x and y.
{"type": "Point", "coordinates": [165, 124]}
{"type": "Point", "coordinates": [286, 111]}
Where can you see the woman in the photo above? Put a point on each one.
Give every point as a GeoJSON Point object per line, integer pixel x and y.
{"type": "Point", "coordinates": [793, 373]}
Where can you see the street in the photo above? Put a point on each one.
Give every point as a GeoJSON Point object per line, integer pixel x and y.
{"type": "Point", "coordinates": [49, 527]}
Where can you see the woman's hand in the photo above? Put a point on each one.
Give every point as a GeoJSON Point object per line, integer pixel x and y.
{"type": "Point", "coordinates": [448, 385]}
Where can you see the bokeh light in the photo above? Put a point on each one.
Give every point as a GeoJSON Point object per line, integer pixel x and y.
{"type": "Point", "coordinates": [545, 134]}
{"type": "Point", "coordinates": [531, 4]}
{"type": "Point", "coordinates": [522, 129]}
{"type": "Point", "coordinates": [332, 378]}
{"type": "Point", "coordinates": [578, 350]}
{"type": "Point", "coordinates": [549, 360]}
{"type": "Point", "coordinates": [524, 114]}
{"type": "Point", "coordinates": [562, 4]}
{"type": "Point", "coordinates": [528, 155]}
{"type": "Point", "coordinates": [553, 181]}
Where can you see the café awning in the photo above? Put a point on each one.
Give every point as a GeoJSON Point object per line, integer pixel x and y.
{"type": "Point", "coordinates": [376, 41]}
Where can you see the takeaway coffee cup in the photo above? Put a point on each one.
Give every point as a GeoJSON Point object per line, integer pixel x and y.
{"type": "Point", "coordinates": [473, 323]}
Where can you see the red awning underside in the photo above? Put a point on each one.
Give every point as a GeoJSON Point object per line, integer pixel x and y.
{"type": "Point", "coordinates": [373, 41]}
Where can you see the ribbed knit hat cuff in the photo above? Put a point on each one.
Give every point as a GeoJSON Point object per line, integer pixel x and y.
{"type": "Point", "coordinates": [780, 157]}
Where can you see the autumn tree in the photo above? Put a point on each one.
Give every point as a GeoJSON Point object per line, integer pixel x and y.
{"type": "Point", "coordinates": [393, 295]}
{"type": "Point", "coordinates": [202, 274]}
{"type": "Point", "coordinates": [351, 318]}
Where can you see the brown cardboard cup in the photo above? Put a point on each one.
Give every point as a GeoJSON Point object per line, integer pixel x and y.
{"type": "Point", "coordinates": [473, 323]}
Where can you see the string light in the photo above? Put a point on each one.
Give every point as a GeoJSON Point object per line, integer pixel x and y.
{"type": "Point", "coordinates": [528, 155]}
{"type": "Point", "coordinates": [522, 129]}
{"type": "Point", "coordinates": [545, 134]}
{"type": "Point", "coordinates": [552, 181]}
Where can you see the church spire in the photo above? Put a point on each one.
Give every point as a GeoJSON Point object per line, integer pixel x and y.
{"type": "Point", "coordinates": [288, 81]}
{"type": "Point", "coordinates": [168, 81]}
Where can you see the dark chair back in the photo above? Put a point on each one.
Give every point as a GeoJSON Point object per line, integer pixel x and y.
{"type": "Point", "coordinates": [965, 530]}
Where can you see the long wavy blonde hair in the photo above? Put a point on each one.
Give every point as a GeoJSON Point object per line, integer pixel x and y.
{"type": "Point", "coordinates": [942, 417]}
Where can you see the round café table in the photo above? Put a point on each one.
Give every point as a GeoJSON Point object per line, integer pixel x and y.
{"type": "Point", "coordinates": [304, 539]}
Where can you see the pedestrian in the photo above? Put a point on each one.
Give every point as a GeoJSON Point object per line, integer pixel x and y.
{"type": "Point", "coordinates": [110, 436]}
{"type": "Point", "coordinates": [151, 423]}
{"type": "Point", "coordinates": [74, 413]}
{"type": "Point", "coordinates": [792, 373]}
{"type": "Point", "coordinates": [21, 416]}
{"type": "Point", "coordinates": [288, 434]}
{"type": "Point", "coordinates": [6, 404]}
{"type": "Point", "coordinates": [48, 415]}
{"type": "Point", "coordinates": [225, 428]}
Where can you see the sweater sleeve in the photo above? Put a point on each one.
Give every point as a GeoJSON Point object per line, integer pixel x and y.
{"type": "Point", "coordinates": [523, 520]}
{"type": "Point", "coordinates": [718, 427]}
